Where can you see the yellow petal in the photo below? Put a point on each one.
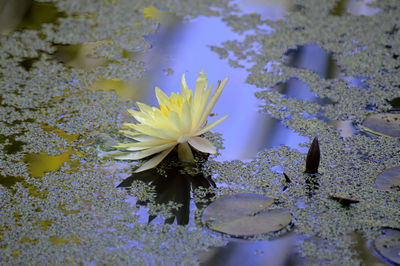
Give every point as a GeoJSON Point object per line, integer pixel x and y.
{"type": "Point", "coordinates": [161, 119]}
{"type": "Point", "coordinates": [144, 108]}
{"type": "Point", "coordinates": [198, 108]}
{"type": "Point", "coordinates": [153, 162]}
{"type": "Point", "coordinates": [141, 117]}
{"type": "Point", "coordinates": [130, 134]}
{"type": "Point", "coordinates": [186, 118]}
{"type": "Point", "coordinates": [162, 97]}
{"type": "Point", "coordinates": [185, 153]}
{"type": "Point", "coordinates": [201, 83]}
{"type": "Point", "coordinates": [127, 147]}
{"type": "Point", "coordinates": [210, 126]}
{"type": "Point", "coordinates": [142, 154]}
{"type": "Point", "coordinates": [143, 138]}
{"type": "Point", "coordinates": [202, 145]}
{"type": "Point", "coordinates": [186, 93]}
{"type": "Point", "coordinates": [158, 121]}
{"type": "Point", "coordinates": [175, 120]}
{"type": "Point", "coordinates": [161, 133]}
{"type": "Point", "coordinates": [213, 100]}
{"type": "Point", "coordinates": [136, 146]}
{"type": "Point", "coordinates": [114, 154]}
{"type": "Point", "coordinates": [128, 125]}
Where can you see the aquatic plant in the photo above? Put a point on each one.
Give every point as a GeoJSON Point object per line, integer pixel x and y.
{"type": "Point", "coordinates": [313, 158]}
{"type": "Point", "coordinates": [179, 121]}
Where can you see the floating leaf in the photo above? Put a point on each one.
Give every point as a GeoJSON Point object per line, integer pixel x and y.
{"type": "Point", "coordinates": [388, 245]}
{"type": "Point", "coordinates": [245, 215]}
{"type": "Point", "coordinates": [313, 158]}
{"type": "Point", "coordinates": [389, 179]}
{"type": "Point", "coordinates": [387, 124]}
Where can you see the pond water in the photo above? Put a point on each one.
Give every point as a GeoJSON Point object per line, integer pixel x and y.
{"type": "Point", "coordinates": [69, 70]}
{"type": "Point", "coordinates": [177, 45]}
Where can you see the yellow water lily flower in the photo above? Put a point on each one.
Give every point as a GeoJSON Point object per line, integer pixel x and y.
{"type": "Point", "coordinates": [180, 120]}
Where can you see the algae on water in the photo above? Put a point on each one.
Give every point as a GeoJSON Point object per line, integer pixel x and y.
{"type": "Point", "coordinates": [73, 213]}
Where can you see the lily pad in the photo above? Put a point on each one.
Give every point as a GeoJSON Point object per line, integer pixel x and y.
{"type": "Point", "coordinates": [245, 215]}
{"type": "Point", "coordinates": [388, 245]}
{"type": "Point", "coordinates": [387, 124]}
{"type": "Point", "coordinates": [389, 179]}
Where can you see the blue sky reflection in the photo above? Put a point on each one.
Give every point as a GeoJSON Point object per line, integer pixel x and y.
{"type": "Point", "coordinates": [184, 48]}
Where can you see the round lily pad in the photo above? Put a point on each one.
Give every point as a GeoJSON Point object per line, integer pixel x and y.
{"type": "Point", "coordinates": [388, 245]}
{"type": "Point", "coordinates": [386, 124]}
{"type": "Point", "coordinates": [389, 179]}
{"type": "Point", "coordinates": [245, 215]}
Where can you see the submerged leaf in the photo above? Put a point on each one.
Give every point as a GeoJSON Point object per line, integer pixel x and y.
{"type": "Point", "coordinates": [313, 158]}
{"type": "Point", "coordinates": [245, 215]}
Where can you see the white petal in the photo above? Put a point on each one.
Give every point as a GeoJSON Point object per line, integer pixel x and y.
{"type": "Point", "coordinates": [153, 162]}
{"type": "Point", "coordinates": [142, 154]}
{"type": "Point", "coordinates": [185, 153]}
{"type": "Point", "coordinates": [202, 145]}
{"type": "Point", "coordinates": [210, 126]}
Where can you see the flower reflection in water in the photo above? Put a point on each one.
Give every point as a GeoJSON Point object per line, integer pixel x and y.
{"type": "Point", "coordinates": [173, 184]}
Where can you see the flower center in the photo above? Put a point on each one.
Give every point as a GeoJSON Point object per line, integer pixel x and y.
{"type": "Point", "coordinates": [183, 138]}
